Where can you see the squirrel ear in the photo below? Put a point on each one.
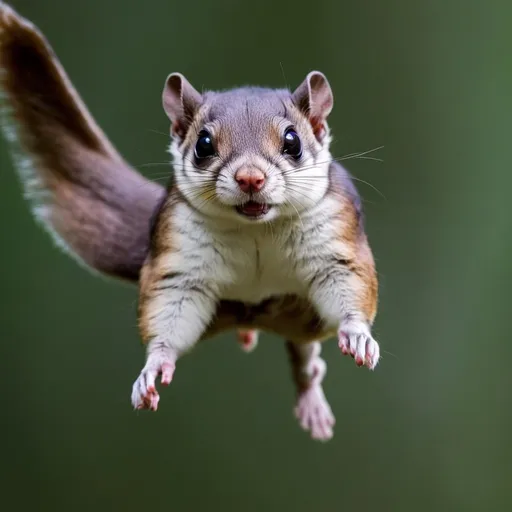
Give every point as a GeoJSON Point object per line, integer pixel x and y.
{"type": "Point", "coordinates": [314, 98]}
{"type": "Point", "coordinates": [180, 101]}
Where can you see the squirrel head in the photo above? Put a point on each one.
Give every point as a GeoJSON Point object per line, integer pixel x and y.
{"type": "Point", "coordinates": [250, 154]}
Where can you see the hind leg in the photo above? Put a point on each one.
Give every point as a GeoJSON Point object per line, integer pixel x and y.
{"type": "Point", "coordinates": [312, 409]}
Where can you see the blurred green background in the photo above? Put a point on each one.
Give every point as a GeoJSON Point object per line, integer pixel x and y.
{"type": "Point", "coordinates": [430, 428]}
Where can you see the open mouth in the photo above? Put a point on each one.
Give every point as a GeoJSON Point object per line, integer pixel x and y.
{"type": "Point", "coordinates": [253, 209]}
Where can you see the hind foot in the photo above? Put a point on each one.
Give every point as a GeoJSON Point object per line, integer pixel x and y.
{"type": "Point", "coordinates": [248, 340]}
{"type": "Point", "coordinates": [314, 413]}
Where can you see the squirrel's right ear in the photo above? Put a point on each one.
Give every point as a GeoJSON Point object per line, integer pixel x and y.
{"type": "Point", "coordinates": [315, 99]}
{"type": "Point", "coordinates": [180, 101]}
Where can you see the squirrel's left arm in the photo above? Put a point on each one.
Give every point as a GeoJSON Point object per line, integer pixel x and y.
{"type": "Point", "coordinates": [344, 286]}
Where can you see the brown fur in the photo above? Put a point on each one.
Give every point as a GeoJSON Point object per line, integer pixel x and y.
{"type": "Point", "coordinates": [368, 275]}
{"type": "Point", "coordinates": [361, 262]}
{"type": "Point", "coordinates": [359, 257]}
{"type": "Point", "coordinates": [287, 316]}
{"type": "Point", "coordinates": [153, 271]}
{"type": "Point", "coordinates": [299, 358]}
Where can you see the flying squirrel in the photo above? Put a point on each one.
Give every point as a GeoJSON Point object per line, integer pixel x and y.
{"type": "Point", "coordinates": [259, 228]}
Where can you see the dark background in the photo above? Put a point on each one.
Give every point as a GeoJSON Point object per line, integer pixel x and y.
{"type": "Point", "coordinates": [430, 429]}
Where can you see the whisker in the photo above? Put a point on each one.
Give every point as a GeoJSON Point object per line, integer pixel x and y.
{"type": "Point", "coordinates": [159, 178]}
{"type": "Point", "coordinates": [300, 218]}
{"type": "Point", "coordinates": [362, 158]}
{"type": "Point", "coordinates": [203, 203]}
{"type": "Point", "coordinates": [152, 164]}
{"type": "Point", "coordinates": [269, 224]}
{"type": "Point", "coordinates": [390, 353]}
{"type": "Point", "coordinates": [313, 179]}
{"type": "Point", "coordinates": [159, 133]}
{"type": "Point", "coordinates": [296, 188]}
{"type": "Point", "coordinates": [372, 186]}
{"type": "Point", "coordinates": [284, 76]}
{"type": "Point", "coordinates": [317, 164]}
{"type": "Point", "coordinates": [370, 151]}
{"type": "Point", "coordinates": [359, 155]}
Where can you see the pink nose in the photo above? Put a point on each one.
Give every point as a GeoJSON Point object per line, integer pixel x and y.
{"type": "Point", "coordinates": [250, 179]}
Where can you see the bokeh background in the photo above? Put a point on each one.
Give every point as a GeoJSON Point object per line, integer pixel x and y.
{"type": "Point", "coordinates": [430, 429]}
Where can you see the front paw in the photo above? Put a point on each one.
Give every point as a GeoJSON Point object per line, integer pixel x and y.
{"type": "Point", "coordinates": [354, 338]}
{"type": "Point", "coordinates": [144, 393]}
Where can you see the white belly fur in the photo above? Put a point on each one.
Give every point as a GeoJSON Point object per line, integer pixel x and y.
{"type": "Point", "coordinates": [259, 271]}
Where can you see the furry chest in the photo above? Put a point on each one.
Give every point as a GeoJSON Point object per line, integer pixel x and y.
{"type": "Point", "coordinates": [260, 272]}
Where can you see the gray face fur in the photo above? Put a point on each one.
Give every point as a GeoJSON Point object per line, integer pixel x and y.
{"type": "Point", "coordinates": [247, 127]}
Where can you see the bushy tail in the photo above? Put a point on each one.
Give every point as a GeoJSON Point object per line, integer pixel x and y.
{"type": "Point", "coordinates": [94, 204]}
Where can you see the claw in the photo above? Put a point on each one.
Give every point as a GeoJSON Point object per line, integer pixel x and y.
{"type": "Point", "coordinates": [144, 393]}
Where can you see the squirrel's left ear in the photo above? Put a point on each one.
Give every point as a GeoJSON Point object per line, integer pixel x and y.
{"type": "Point", "coordinates": [314, 98]}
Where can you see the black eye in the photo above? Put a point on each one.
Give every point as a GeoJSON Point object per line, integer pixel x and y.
{"type": "Point", "coordinates": [292, 145]}
{"type": "Point", "coordinates": [204, 145]}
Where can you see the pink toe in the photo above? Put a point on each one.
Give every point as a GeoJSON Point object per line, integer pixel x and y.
{"type": "Point", "coordinates": [343, 344]}
{"type": "Point", "coordinates": [246, 338]}
{"type": "Point", "coordinates": [369, 361]}
{"type": "Point", "coordinates": [167, 373]}
{"type": "Point", "coordinates": [154, 402]}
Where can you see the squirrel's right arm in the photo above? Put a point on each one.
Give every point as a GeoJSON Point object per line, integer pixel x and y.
{"type": "Point", "coordinates": [81, 189]}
